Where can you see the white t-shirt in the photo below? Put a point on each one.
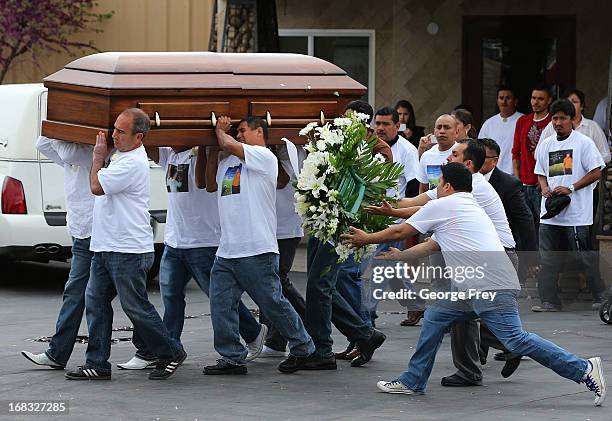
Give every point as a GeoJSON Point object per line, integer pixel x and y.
{"type": "Point", "coordinates": [564, 163]}
{"type": "Point", "coordinates": [591, 130]}
{"type": "Point", "coordinates": [502, 131]}
{"type": "Point", "coordinates": [406, 154]}
{"type": "Point", "coordinates": [488, 199]}
{"type": "Point", "coordinates": [76, 160]}
{"type": "Point", "coordinates": [289, 223]}
{"type": "Point", "coordinates": [193, 214]}
{"type": "Point", "coordinates": [430, 165]}
{"type": "Point", "coordinates": [467, 238]}
{"type": "Point", "coordinates": [247, 203]}
{"type": "Point", "coordinates": [121, 220]}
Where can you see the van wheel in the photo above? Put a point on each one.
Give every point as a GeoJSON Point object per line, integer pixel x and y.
{"type": "Point", "coordinates": [154, 271]}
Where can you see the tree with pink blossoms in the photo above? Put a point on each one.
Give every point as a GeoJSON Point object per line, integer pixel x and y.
{"type": "Point", "coordinates": [28, 26]}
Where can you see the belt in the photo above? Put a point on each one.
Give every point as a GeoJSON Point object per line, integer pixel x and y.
{"type": "Point", "coordinates": [530, 185]}
{"type": "Point", "coordinates": [509, 248]}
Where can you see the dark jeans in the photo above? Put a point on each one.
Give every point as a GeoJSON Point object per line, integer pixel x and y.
{"type": "Point", "coordinates": [177, 268]}
{"type": "Point", "coordinates": [533, 198]}
{"type": "Point", "coordinates": [559, 245]}
{"type": "Point", "coordinates": [125, 275]}
{"type": "Point", "coordinates": [73, 303]}
{"type": "Point", "coordinates": [325, 305]}
{"type": "Point", "coordinates": [286, 248]}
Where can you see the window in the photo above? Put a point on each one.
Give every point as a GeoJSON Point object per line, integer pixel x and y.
{"type": "Point", "coordinates": [351, 50]}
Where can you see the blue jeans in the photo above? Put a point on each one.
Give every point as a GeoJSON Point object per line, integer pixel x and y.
{"type": "Point", "coordinates": [125, 275]}
{"type": "Point", "coordinates": [177, 267]}
{"type": "Point", "coordinates": [350, 284]}
{"type": "Point", "coordinates": [533, 198]}
{"type": "Point", "coordinates": [325, 305]}
{"type": "Point", "coordinates": [559, 245]}
{"type": "Point", "coordinates": [73, 303]}
{"type": "Point", "coordinates": [258, 276]}
{"type": "Point", "coordinates": [502, 318]}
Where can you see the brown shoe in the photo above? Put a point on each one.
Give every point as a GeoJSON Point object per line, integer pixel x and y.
{"type": "Point", "coordinates": [344, 355]}
{"type": "Point", "coordinates": [353, 354]}
{"type": "Point", "coordinates": [412, 318]}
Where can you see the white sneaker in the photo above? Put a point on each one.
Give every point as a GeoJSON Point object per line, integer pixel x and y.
{"type": "Point", "coordinates": [395, 386]}
{"type": "Point", "coordinates": [137, 364]}
{"type": "Point", "coordinates": [595, 381]}
{"type": "Point", "coordinates": [41, 359]}
{"type": "Point", "coordinates": [257, 345]}
{"type": "Point", "coordinates": [267, 352]}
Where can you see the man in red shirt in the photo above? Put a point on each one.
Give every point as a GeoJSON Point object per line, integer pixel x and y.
{"type": "Point", "coordinates": [526, 137]}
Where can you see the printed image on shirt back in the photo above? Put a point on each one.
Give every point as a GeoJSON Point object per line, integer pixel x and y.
{"type": "Point", "coordinates": [231, 181]}
{"type": "Point", "coordinates": [177, 178]}
{"type": "Point", "coordinates": [560, 163]}
{"type": "Point", "coordinates": [433, 175]}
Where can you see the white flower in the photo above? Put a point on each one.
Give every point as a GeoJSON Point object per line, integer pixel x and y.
{"type": "Point", "coordinates": [342, 121]}
{"type": "Point", "coordinates": [362, 116]}
{"type": "Point", "coordinates": [308, 128]}
{"type": "Point", "coordinates": [321, 144]}
{"type": "Point", "coordinates": [343, 252]}
{"type": "Point", "coordinates": [378, 157]}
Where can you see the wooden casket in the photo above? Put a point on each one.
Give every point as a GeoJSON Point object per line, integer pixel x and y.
{"type": "Point", "coordinates": [184, 94]}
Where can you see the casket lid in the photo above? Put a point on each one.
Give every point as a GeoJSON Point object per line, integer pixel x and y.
{"type": "Point", "coordinates": [203, 70]}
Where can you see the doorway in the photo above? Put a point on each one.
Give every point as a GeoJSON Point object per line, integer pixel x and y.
{"type": "Point", "coordinates": [516, 51]}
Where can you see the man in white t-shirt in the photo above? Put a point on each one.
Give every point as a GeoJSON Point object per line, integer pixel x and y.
{"type": "Point", "coordinates": [122, 242]}
{"type": "Point", "coordinates": [247, 257]}
{"type": "Point", "coordinates": [567, 164]}
{"type": "Point", "coordinates": [501, 127]}
{"type": "Point", "coordinates": [468, 240]}
{"type": "Point", "coordinates": [191, 238]}
{"type": "Point", "coordinates": [445, 132]}
{"type": "Point", "coordinates": [75, 158]}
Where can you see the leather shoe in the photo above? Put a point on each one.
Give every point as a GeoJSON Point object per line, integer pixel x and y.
{"type": "Point", "coordinates": [223, 367]}
{"type": "Point", "coordinates": [412, 318]}
{"type": "Point", "coordinates": [344, 355]}
{"type": "Point", "coordinates": [311, 362]}
{"type": "Point", "coordinates": [510, 367]}
{"type": "Point", "coordinates": [366, 348]}
{"type": "Point", "coordinates": [458, 381]}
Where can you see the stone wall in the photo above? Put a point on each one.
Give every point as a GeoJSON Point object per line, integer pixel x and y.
{"type": "Point", "coordinates": [412, 64]}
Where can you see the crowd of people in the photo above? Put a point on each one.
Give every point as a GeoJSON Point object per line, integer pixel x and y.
{"type": "Point", "coordinates": [523, 183]}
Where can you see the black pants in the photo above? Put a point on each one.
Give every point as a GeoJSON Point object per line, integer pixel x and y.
{"type": "Point", "coordinates": [286, 248]}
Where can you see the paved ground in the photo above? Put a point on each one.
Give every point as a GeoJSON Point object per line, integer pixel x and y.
{"type": "Point", "coordinates": [30, 295]}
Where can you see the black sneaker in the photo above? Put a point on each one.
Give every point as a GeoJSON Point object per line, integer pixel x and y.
{"type": "Point", "coordinates": [166, 368]}
{"type": "Point", "coordinates": [510, 366]}
{"type": "Point", "coordinates": [311, 362]}
{"type": "Point", "coordinates": [223, 367]}
{"type": "Point", "coordinates": [84, 373]}
{"type": "Point", "coordinates": [368, 347]}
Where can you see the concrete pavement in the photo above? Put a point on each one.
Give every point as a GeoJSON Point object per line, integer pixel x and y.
{"type": "Point", "coordinates": [30, 296]}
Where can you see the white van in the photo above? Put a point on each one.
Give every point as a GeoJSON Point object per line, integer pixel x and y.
{"type": "Point", "coordinates": [33, 213]}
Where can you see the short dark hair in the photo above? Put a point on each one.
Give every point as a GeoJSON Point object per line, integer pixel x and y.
{"type": "Point", "coordinates": [254, 122]}
{"type": "Point", "coordinates": [578, 93]}
{"type": "Point", "coordinates": [475, 152]}
{"type": "Point", "coordinates": [466, 118]}
{"type": "Point", "coordinates": [563, 105]}
{"type": "Point", "coordinates": [543, 87]}
{"type": "Point", "coordinates": [360, 106]}
{"type": "Point", "coordinates": [389, 111]}
{"type": "Point", "coordinates": [141, 120]}
{"type": "Point", "coordinates": [506, 88]}
{"type": "Point", "coordinates": [411, 124]}
{"type": "Point", "coordinates": [458, 176]}
{"type": "Point", "coordinates": [490, 144]}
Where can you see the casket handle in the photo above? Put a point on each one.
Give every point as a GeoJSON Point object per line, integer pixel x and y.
{"type": "Point", "coordinates": [322, 118]}
{"type": "Point", "coordinates": [268, 118]}
{"type": "Point", "coordinates": [157, 119]}
{"type": "Point", "coordinates": [213, 119]}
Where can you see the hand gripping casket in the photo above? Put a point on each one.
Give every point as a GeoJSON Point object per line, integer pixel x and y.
{"type": "Point", "coordinates": [184, 94]}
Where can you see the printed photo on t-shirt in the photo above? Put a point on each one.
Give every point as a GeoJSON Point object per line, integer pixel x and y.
{"type": "Point", "coordinates": [231, 181]}
{"type": "Point", "coordinates": [560, 163]}
{"type": "Point", "coordinates": [433, 175]}
{"type": "Point", "coordinates": [177, 178]}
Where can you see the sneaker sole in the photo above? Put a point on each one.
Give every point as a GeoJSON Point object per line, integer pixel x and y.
{"type": "Point", "coordinates": [55, 367]}
{"type": "Point", "coordinates": [398, 392]}
{"type": "Point", "coordinates": [228, 372]}
{"type": "Point", "coordinates": [597, 366]}
{"type": "Point", "coordinates": [89, 378]}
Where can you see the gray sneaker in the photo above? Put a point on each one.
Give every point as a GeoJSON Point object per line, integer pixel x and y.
{"type": "Point", "coordinates": [546, 307]}
{"type": "Point", "coordinates": [42, 359]}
